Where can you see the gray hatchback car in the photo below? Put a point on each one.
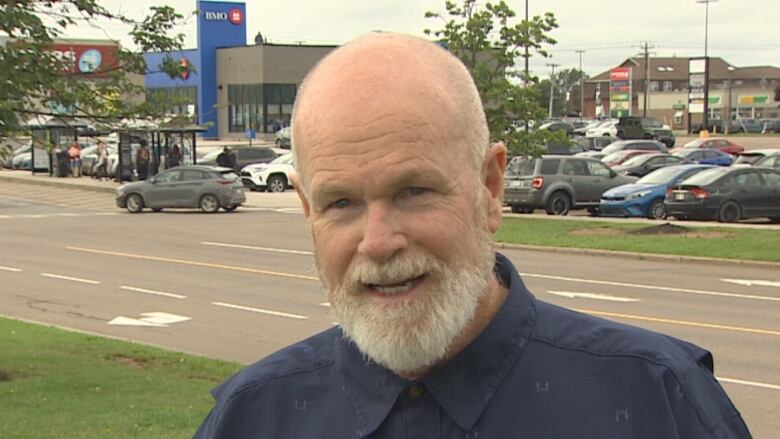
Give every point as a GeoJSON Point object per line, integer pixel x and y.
{"type": "Point", "coordinates": [558, 183]}
{"type": "Point", "coordinates": [204, 187]}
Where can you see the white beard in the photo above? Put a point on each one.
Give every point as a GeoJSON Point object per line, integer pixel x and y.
{"type": "Point", "coordinates": [410, 335]}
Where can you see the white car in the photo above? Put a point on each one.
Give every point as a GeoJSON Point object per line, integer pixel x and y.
{"type": "Point", "coordinates": [607, 128]}
{"type": "Point", "coordinates": [283, 138]}
{"type": "Point", "coordinates": [273, 176]}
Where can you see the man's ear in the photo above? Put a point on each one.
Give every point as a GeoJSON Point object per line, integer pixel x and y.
{"type": "Point", "coordinates": [493, 171]}
{"type": "Point", "coordinates": [296, 182]}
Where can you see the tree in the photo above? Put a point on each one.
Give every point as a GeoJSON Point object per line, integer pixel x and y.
{"type": "Point", "coordinates": [487, 41]}
{"type": "Point", "coordinates": [36, 80]}
{"type": "Point", "coordinates": [566, 86]}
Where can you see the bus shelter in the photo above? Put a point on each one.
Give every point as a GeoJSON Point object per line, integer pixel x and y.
{"type": "Point", "coordinates": [185, 136]}
{"type": "Point", "coordinates": [50, 137]}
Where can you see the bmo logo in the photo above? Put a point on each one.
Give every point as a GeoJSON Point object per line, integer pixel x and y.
{"type": "Point", "coordinates": [234, 16]}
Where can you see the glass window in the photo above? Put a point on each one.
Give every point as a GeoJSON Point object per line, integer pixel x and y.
{"type": "Point", "coordinates": [193, 174]}
{"type": "Point", "coordinates": [550, 167]}
{"type": "Point", "coordinates": [168, 177]}
{"type": "Point", "coordinates": [598, 169]}
{"type": "Point", "coordinates": [747, 179]}
{"type": "Point", "coordinates": [771, 178]}
{"type": "Point", "coordinates": [667, 85]}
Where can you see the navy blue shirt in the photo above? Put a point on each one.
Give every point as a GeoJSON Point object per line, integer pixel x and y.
{"type": "Point", "coordinates": [536, 371]}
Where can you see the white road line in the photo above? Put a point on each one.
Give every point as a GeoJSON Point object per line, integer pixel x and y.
{"type": "Point", "coordinates": [325, 304]}
{"type": "Point", "coordinates": [15, 270]}
{"type": "Point", "coordinates": [4, 217]}
{"type": "Point", "coordinates": [74, 279]}
{"type": "Point", "coordinates": [251, 247]}
{"type": "Point", "coordinates": [573, 295]}
{"type": "Point", "coordinates": [750, 283]}
{"type": "Point", "coordinates": [749, 383]}
{"type": "Point", "coordinates": [157, 293]}
{"type": "Point", "coordinates": [653, 287]}
{"type": "Point", "coordinates": [261, 311]}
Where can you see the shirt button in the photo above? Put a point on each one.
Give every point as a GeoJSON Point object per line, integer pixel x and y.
{"type": "Point", "coordinates": [416, 391]}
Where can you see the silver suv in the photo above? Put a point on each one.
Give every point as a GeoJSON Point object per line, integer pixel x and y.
{"type": "Point", "coordinates": [558, 183]}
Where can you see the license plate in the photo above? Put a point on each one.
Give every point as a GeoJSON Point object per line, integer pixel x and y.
{"type": "Point", "coordinates": [679, 196]}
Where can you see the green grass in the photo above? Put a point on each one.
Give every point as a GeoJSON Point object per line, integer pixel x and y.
{"type": "Point", "coordinates": [713, 242]}
{"type": "Point", "coordinates": [58, 384]}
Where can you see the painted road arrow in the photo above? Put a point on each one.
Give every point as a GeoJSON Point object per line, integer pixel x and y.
{"type": "Point", "coordinates": [572, 295]}
{"type": "Point", "coordinates": [157, 319]}
{"type": "Point", "coordinates": [750, 283]}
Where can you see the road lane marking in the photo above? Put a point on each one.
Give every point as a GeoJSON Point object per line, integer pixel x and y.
{"type": "Point", "coordinates": [4, 217]}
{"type": "Point", "coordinates": [325, 304]}
{"type": "Point", "coordinates": [251, 247]}
{"type": "Point", "coordinates": [573, 295]}
{"type": "Point", "coordinates": [157, 293]}
{"type": "Point", "coordinates": [750, 283]}
{"type": "Point", "coordinates": [156, 319]}
{"type": "Point", "coordinates": [652, 287]}
{"type": "Point", "coordinates": [74, 279]}
{"type": "Point", "coordinates": [681, 322]}
{"type": "Point", "coordinates": [749, 383]}
{"type": "Point", "coordinates": [193, 263]}
{"type": "Point", "coordinates": [260, 310]}
{"type": "Point", "coordinates": [15, 270]}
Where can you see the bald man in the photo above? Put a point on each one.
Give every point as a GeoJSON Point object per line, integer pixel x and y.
{"type": "Point", "coordinates": [437, 336]}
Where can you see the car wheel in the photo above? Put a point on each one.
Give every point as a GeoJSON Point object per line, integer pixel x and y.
{"type": "Point", "coordinates": [276, 183]}
{"type": "Point", "coordinates": [209, 203]}
{"type": "Point", "coordinates": [593, 211]}
{"type": "Point", "coordinates": [729, 212]}
{"type": "Point", "coordinates": [558, 204]}
{"type": "Point", "coordinates": [156, 209]}
{"type": "Point", "coordinates": [657, 210]}
{"type": "Point", "coordinates": [134, 203]}
{"type": "Point", "coordinates": [230, 208]}
{"type": "Point", "coordinates": [278, 143]}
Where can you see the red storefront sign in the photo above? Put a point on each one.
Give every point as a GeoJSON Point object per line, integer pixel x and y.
{"type": "Point", "coordinates": [619, 74]}
{"type": "Point", "coordinates": [88, 59]}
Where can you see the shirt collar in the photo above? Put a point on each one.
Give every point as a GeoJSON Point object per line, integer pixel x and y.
{"type": "Point", "coordinates": [478, 370]}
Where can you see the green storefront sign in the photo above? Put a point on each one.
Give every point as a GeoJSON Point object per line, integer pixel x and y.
{"type": "Point", "coordinates": [678, 107]}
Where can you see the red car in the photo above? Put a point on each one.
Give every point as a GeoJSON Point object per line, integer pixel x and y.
{"type": "Point", "coordinates": [718, 143]}
{"type": "Point", "coordinates": [619, 157]}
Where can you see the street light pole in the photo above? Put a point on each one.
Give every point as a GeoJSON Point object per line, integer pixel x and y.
{"type": "Point", "coordinates": [552, 82]}
{"type": "Point", "coordinates": [705, 116]}
{"type": "Point", "coordinates": [582, 85]}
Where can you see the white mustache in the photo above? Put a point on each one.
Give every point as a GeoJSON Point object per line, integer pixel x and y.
{"type": "Point", "coordinates": [394, 271]}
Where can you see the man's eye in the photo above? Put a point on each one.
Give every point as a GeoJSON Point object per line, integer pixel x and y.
{"type": "Point", "coordinates": [416, 190]}
{"type": "Point", "coordinates": [340, 204]}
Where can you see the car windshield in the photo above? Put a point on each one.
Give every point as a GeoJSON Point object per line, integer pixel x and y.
{"type": "Point", "coordinates": [653, 123]}
{"type": "Point", "coordinates": [748, 158]}
{"type": "Point", "coordinates": [694, 143]}
{"type": "Point", "coordinates": [285, 159]}
{"type": "Point", "coordinates": [636, 160]}
{"type": "Point", "coordinates": [662, 176]}
{"type": "Point", "coordinates": [706, 177]}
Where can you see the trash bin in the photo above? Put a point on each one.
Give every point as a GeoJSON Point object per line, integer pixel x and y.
{"type": "Point", "coordinates": [62, 164]}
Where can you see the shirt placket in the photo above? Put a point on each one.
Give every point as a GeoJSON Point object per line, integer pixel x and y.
{"type": "Point", "coordinates": [420, 413]}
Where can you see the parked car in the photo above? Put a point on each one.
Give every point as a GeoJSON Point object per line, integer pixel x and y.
{"type": "Point", "coordinates": [558, 183]}
{"type": "Point", "coordinates": [193, 186]}
{"type": "Point", "coordinates": [727, 194]}
{"type": "Point", "coordinates": [569, 148]}
{"type": "Point", "coordinates": [705, 156]}
{"type": "Point", "coordinates": [604, 129]}
{"type": "Point", "coordinates": [647, 145]}
{"type": "Point", "coordinates": [771, 125]}
{"type": "Point", "coordinates": [750, 157]}
{"type": "Point", "coordinates": [633, 127]}
{"type": "Point", "coordinates": [593, 143]}
{"type": "Point", "coordinates": [643, 164]}
{"type": "Point", "coordinates": [582, 131]}
{"type": "Point", "coordinates": [645, 198]}
{"type": "Point", "coordinates": [245, 155]}
{"type": "Point", "coordinates": [718, 143]}
{"type": "Point", "coordinates": [770, 161]}
{"type": "Point", "coordinates": [558, 125]}
{"type": "Point", "coordinates": [619, 157]}
{"type": "Point", "coordinates": [598, 155]}
{"type": "Point", "coordinates": [273, 176]}
{"type": "Point", "coordinates": [8, 162]}
{"type": "Point", "coordinates": [283, 138]}
{"type": "Point", "coordinates": [748, 125]}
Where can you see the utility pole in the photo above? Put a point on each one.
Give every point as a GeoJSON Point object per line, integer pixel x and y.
{"type": "Point", "coordinates": [582, 85]}
{"type": "Point", "coordinates": [706, 114]}
{"type": "Point", "coordinates": [552, 83]}
{"type": "Point", "coordinates": [647, 78]}
{"type": "Point", "coordinates": [526, 79]}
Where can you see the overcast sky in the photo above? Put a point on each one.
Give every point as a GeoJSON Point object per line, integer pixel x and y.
{"type": "Point", "coordinates": [743, 32]}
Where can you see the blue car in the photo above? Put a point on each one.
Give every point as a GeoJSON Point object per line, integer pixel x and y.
{"type": "Point", "coordinates": [645, 197]}
{"type": "Point", "coordinates": [705, 156]}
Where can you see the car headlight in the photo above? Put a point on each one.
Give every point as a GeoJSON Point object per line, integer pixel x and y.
{"type": "Point", "coordinates": [635, 195]}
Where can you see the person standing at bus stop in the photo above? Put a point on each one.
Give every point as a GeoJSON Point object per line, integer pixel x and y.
{"type": "Point", "coordinates": [74, 153]}
{"type": "Point", "coordinates": [142, 161]}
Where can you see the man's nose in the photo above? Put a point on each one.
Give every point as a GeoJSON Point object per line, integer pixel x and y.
{"type": "Point", "coordinates": [382, 235]}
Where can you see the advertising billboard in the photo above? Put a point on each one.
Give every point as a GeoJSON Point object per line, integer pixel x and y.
{"type": "Point", "coordinates": [87, 59]}
{"type": "Point", "coordinates": [620, 91]}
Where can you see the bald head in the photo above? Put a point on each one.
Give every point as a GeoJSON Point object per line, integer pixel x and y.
{"type": "Point", "coordinates": [380, 77]}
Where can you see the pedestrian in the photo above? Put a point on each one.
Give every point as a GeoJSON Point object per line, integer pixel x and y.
{"type": "Point", "coordinates": [74, 155]}
{"type": "Point", "coordinates": [227, 158]}
{"type": "Point", "coordinates": [437, 335]}
{"type": "Point", "coordinates": [173, 158]}
{"type": "Point", "coordinates": [102, 168]}
{"type": "Point", "coordinates": [142, 160]}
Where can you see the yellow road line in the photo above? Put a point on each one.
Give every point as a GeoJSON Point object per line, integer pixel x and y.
{"type": "Point", "coordinates": [681, 322]}
{"type": "Point", "coordinates": [193, 263]}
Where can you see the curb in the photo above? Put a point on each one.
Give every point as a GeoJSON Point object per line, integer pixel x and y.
{"type": "Point", "coordinates": [54, 183]}
{"type": "Point", "coordinates": [640, 256]}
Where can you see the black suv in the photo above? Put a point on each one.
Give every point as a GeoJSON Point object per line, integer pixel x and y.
{"type": "Point", "coordinates": [644, 128]}
{"type": "Point", "coordinates": [558, 183]}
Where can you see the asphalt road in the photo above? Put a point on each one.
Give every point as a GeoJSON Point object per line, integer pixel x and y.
{"type": "Point", "coordinates": [240, 285]}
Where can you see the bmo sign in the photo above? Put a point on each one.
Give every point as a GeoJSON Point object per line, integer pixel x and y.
{"type": "Point", "coordinates": [234, 16]}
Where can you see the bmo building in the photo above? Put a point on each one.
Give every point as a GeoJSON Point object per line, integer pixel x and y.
{"type": "Point", "coordinates": [233, 87]}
